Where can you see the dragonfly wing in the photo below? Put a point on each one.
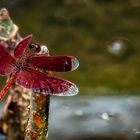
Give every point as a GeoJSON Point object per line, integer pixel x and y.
{"type": "Point", "coordinates": [40, 82]}
{"type": "Point", "coordinates": [54, 63]}
{"type": "Point", "coordinates": [6, 61]}
{"type": "Point", "coordinates": [21, 46]}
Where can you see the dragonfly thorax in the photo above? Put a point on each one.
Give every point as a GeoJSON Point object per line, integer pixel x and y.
{"type": "Point", "coordinates": [21, 63]}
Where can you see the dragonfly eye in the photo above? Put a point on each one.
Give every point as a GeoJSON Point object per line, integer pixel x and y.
{"type": "Point", "coordinates": [35, 46]}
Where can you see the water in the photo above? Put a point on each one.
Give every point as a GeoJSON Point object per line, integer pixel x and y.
{"type": "Point", "coordinates": [2, 137]}
{"type": "Point", "coordinates": [88, 118]}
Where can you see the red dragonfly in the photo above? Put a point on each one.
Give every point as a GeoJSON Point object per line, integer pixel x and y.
{"type": "Point", "coordinates": [29, 69]}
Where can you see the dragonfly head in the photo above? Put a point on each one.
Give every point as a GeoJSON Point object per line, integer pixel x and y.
{"type": "Point", "coordinates": [35, 47]}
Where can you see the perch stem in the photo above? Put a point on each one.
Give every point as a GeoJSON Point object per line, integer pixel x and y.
{"type": "Point", "coordinates": [37, 128]}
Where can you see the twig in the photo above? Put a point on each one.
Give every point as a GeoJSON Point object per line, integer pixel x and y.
{"type": "Point", "coordinates": [37, 128]}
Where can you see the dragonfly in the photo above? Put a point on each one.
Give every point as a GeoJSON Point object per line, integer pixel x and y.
{"type": "Point", "coordinates": [29, 69]}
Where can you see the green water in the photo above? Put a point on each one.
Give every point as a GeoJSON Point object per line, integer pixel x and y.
{"type": "Point", "coordinates": [86, 29]}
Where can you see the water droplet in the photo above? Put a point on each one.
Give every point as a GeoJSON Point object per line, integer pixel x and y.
{"type": "Point", "coordinates": [105, 116]}
{"type": "Point", "coordinates": [116, 47]}
{"type": "Point", "coordinates": [119, 47]}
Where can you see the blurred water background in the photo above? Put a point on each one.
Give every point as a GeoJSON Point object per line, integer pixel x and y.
{"type": "Point", "coordinates": [104, 35]}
